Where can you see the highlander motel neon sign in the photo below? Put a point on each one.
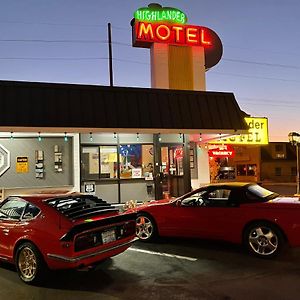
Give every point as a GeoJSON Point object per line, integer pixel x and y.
{"type": "Point", "coordinates": [185, 35]}
{"type": "Point", "coordinates": [157, 24]}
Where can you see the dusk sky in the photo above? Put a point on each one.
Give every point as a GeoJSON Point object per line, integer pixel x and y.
{"type": "Point", "coordinates": [65, 41]}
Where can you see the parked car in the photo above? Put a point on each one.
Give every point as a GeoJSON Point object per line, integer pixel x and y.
{"type": "Point", "coordinates": [242, 213]}
{"type": "Point", "coordinates": [49, 232]}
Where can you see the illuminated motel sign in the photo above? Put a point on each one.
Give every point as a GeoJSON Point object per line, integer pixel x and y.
{"type": "Point", "coordinates": [156, 24]}
{"type": "Point", "coordinates": [156, 13]}
{"type": "Point", "coordinates": [257, 134]}
{"type": "Point", "coordinates": [222, 151]}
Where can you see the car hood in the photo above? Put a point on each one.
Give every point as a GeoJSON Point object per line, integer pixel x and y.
{"type": "Point", "coordinates": [157, 202]}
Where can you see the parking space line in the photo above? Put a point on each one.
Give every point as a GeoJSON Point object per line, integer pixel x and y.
{"type": "Point", "coordinates": [162, 254]}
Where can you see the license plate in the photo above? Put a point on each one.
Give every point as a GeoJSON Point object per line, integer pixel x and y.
{"type": "Point", "coordinates": [108, 236]}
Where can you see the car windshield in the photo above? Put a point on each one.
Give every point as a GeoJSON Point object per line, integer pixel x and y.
{"type": "Point", "coordinates": [261, 192]}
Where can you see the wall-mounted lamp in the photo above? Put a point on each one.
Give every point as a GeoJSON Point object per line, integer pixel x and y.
{"type": "Point", "coordinates": [66, 137]}
{"type": "Point", "coordinates": [159, 137]}
{"type": "Point", "coordinates": [39, 137]}
{"type": "Point", "coordinates": [200, 137]}
{"type": "Point", "coordinates": [180, 136]}
{"type": "Point", "coordinates": [219, 139]}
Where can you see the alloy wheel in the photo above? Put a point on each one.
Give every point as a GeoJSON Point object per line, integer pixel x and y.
{"type": "Point", "coordinates": [144, 227]}
{"type": "Point", "coordinates": [263, 240]}
{"type": "Point", "coordinates": [27, 263]}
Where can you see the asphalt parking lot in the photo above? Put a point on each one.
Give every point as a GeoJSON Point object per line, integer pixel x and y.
{"type": "Point", "coordinates": [169, 269]}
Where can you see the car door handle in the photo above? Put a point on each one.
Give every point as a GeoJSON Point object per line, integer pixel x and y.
{"type": "Point", "coordinates": [6, 231]}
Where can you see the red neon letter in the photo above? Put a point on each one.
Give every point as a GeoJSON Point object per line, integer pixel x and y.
{"type": "Point", "coordinates": [168, 32]}
{"type": "Point", "coordinates": [203, 42]}
{"type": "Point", "coordinates": [143, 30]}
{"type": "Point", "coordinates": [191, 35]}
{"type": "Point", "coordinates": [177, 33]}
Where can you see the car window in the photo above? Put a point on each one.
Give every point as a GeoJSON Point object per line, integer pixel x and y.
{"type": "Point", "coordinates": [193, 200]}
{"type": "Point", "coordinates": [260, 192]}
{"type": "Point", "coordinates": [218, 198]}
{"type": "Point", "coordinates": [219, 194]}
{"type": "Point", "coordinates": [30, 212]}
{"type": "Point", "coordinates": [12, 208]}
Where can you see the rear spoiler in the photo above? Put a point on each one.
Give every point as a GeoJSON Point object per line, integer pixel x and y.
{"type": "Point", "coordinates": [99, 223]}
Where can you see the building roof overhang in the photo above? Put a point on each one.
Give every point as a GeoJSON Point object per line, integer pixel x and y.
{"type": "Point", "coordinates": [56, 107]}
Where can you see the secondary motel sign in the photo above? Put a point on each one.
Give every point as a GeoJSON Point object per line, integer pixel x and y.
{"type": "Point", "coordinates": [257, 134]}
{"type": "Point", "coordinates": [156, 24]}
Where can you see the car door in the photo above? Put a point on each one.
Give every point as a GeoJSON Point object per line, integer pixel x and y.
{"type": "Point", "coordinates": [11, 227]}
{"type": "Point", "coordinates": [209, 215]}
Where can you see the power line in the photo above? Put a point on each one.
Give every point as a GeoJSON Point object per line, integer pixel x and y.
{"type": "Point", "coordinates": [261, 63]}
{"type": "Point", "coordinates": [52, 24]}
{"type": "Point", "coordinates": [126, 44]}
{"type": "Point", "coordinates": [52, 41]}
{"type": "Point", "coordinates": [269, 100]}
{"type": "Point", "coordinates": [255, 77]}
{"type": "Point", "coordinates": [53, 58]}
{"type": "Point", "coordinates": [72, 59]}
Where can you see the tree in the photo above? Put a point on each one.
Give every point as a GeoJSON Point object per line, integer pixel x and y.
{"type": "Point", "coordinates": [214, 168]}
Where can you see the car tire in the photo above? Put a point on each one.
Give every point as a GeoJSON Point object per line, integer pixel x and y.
{"type": "Point", "coordinates": [146, 228]}
{"type": "Point", "coordinates": [30, 264]}
{"type": "Point", "coordinates": [263, 239]}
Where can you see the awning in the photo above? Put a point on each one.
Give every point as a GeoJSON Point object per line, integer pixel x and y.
{"type": "Point", "coordinates": [55, 107]}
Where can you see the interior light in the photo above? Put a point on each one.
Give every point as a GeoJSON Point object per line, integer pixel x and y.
{"type": "Point", "coordinates": [200, 137]}
{"type": "Point", "coordinates": [11, 135]}
{"type": "Point", "coordinates": [137, 137]}
{"type": "Point", "coordinates": [91, 136]}
{"type": "Point", "coordinates": [115, 135]}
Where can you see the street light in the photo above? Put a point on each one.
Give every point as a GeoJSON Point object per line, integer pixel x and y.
{"type": "Point", "coordinates": [294, 139]}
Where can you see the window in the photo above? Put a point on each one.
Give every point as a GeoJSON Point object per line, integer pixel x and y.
{"type": "Point", "coordinates": [218, 198]}
{"type": "Point", "coordinates": [247, 170]}
{"type": "Point", "coordinates": [251, 170]}
{"type": "Point", "coordinates": [101, 162]}
{"type": "Point", "coordinates": [220, 194]}
{"type": "Point", "coordinates": [12, 208]}
{"type": "Point", "coordinates": [108, 161]}
{"type": "Point", "coordinates": [259, 191]}
{"type": "Point", "coordinates": [136, 161]}
{"type": "Point", "coordinates": [241, 170]}
{"type": "Point", "coordinates": [90, 163]}
{"type": "Point", "coordinates": [30, 212]}
{"type": "Point", "coordinates": [277, 171]}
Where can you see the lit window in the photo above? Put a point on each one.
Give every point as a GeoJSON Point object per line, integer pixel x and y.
{"type": "Point", "coordinates": [136, 161]}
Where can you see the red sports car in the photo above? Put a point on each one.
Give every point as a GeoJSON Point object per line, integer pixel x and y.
{"type": "Point", "coordinates": [42, 232]}
{"type": "Point", "coordinates": [242, 213]}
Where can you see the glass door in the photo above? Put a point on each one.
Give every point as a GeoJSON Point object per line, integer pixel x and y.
{"type": "Point", "coordinates": [172, 171]}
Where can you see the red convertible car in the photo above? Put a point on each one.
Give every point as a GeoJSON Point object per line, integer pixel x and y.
{"type": "Point", "coordinates": [242, 213]}
{"type": "Point", "coordinates": [42, 232]}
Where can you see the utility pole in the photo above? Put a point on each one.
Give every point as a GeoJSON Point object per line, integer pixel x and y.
{"type": "Point", "coordinates": [111, 75]}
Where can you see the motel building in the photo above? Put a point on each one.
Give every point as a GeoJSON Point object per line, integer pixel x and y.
{"type": "Point", "coordinates": [124, 143]}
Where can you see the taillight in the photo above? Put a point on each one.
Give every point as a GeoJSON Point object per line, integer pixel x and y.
{"type": "Point", "coordinates": [129, 228]}
{"type": "Point", "coordinates": [87, 241]}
